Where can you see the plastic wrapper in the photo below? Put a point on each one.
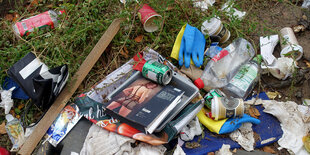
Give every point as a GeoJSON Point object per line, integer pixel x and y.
{"type": "Point", "coordinates": [39, 82]}
{"type": "Point", "coordinates": [15, 132]}
{"type": "Point", "coordinates": [65, 121]}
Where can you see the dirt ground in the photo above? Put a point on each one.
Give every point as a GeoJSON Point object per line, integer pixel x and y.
{"type": "Point", "coordinates": [271, 14]}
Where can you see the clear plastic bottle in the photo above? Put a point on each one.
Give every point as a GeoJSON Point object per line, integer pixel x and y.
{"type": "Point", "coordinates": [244, 81]}
{"type": "Point", "coordinates": [224, 65]}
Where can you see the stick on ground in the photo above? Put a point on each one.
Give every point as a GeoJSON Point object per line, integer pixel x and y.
{"type": "Point", "coordinates": [70, 88]}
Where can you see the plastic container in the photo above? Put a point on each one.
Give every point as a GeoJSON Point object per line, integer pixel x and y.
{"type": "Point", "coordinates": [223, 66]}
{"type": "Point", "coordinates": [45, 19]}
{"type": "Point", "coordinates": [223, 107]}
{"type": "Point", "coordinates": [214, 27]}
{"type": "Point", "coordinates": [242, 84]}
{"type": "Point", "coordinates": [289, 44]}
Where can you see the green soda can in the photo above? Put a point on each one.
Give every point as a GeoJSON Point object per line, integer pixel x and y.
{"type": "Point", "coordinates": [210, 95]}
{"type": "Point", "coordinates": [157, 72]}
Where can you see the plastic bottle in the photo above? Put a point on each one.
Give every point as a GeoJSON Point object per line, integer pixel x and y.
{"type": "Point", "coordinates": [48, 18]}
{"type": "Point", "coordinates": [244, 81]}
{"type": "Point", "coordinates": [224, 65]}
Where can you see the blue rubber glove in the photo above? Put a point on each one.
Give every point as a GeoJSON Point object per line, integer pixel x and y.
{"type": "Point", "coordinates": [233, 124]}
{"type": "Point", "coordinates": [192, 46]}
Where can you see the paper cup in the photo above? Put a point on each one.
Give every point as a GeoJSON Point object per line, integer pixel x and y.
{"type": "Point", "coordinates": [289, 44]}
{"type": "Point", "coordinates": [147, 16]}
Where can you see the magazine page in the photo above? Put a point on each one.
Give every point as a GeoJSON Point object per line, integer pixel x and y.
{"type": "Point", "coordinates": [94, 112]}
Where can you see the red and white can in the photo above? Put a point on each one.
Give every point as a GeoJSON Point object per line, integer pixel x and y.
{"type": "Point", "coordinates": [45, 19]}
{"type": "Point", "coordinates": [147, 16]}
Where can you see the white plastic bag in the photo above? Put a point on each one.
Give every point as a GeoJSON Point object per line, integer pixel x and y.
{"type": "Point", "coordinates": [7, 102]}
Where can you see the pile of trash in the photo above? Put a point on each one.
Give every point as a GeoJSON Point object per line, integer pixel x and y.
{"type": "Point", "coordinates": [149, 105]}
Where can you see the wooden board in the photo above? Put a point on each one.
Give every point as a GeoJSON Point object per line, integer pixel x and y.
{"type": "Point", "coordinates": [69, 89]}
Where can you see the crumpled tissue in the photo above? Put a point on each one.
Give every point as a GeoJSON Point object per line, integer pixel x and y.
{"type": "Point", "coordinates": [191, 130]}
{"type": "Point", "coordinates": [292, 124]}
{"type": "Point", "coordinates": [244, 136]}
{"type": "Point", "coordinates": [224, 150]}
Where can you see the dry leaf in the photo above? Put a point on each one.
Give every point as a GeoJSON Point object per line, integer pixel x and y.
{"type": "Point", "coordinates": [34, 2]}
{"type": "Point", "coordinates": [170, 8]}
{"type": "Point", "coordinates": [139, 38]}
{"type": "Point", "coordinates": [307, 63]}
{"type": "Point", "coordinates": [211, 153]}
{"type": "Point", "coordinates": [273, 95]}
{"type": "Point", "coordinates": [15, 16]}
{"type": "Point", "coordinates": [234, 151]}
{"type": "Point", "coordinates": [254, 112]}
{"type": "Point", "coordinates": [2, 128]}
{"type": "Point", "coordinates": [9, 17]}
{"type": "Point", "coordinates": [21, 106]}
{"type": "Point", "coordinates": [268, 149]}
{"type": "Point", "coordinates": [124, 52]}
{"type": "Point", "coordinates": [50, 6]}
{"type": "Point", "coordinates": [12, 112]}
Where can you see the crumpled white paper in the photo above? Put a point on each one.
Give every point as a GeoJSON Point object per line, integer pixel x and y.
{"type": "Point", "coordinates": [282, 68]}
{"type": "Point", "coordinates": [244, 136]}
{"type": "Point", "coordinates": [267, 45]}
{"type": "Point", "coordinates": [102, 142]}
{"type": "Point", "coordinates": [189, 131]}
{"type": "Point", "coordinates": [224, 150]}
{"type": "Point", "coordinates": [7, 102]}
{"type": "Point", "coordinates": [232, 12]}
{"type": "Point", "coordinates": [292, 124]}
{"type": "Point", "coordinates": [178, 151]}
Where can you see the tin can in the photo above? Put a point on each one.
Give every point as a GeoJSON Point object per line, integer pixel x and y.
{"type": "Point", "coordinates": [157, 72]}
{"type": "Point", "coordinates": [147, 16]}
{"type": "Point", "coordinates": [210, 95]}
{"type": "Point", "coordinates": [45, 19]}
{"type": "Point", "coordinates": [215, 27]}
{"type": "Point", "coordinates": [223, 107]}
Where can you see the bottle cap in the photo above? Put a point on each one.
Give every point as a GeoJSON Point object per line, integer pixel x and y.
{"type": "Point", "coordinates": [199, 83]}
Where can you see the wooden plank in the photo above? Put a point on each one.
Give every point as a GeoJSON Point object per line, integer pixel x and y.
{"type": "Point", "coordinates": [69, 89]}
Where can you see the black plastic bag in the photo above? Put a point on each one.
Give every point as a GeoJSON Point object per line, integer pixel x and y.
{"type": "Point", "coordinates": [38, 82]}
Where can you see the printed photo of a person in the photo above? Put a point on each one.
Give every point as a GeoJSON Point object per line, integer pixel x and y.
{"type": "Point", "coordinates": [138, 92]}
